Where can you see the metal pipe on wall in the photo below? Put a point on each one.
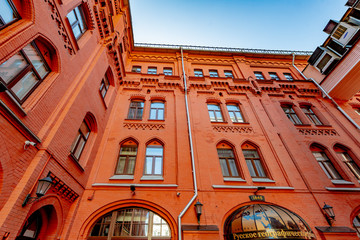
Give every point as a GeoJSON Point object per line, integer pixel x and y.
{"type": "Point", "coordinates": [326, 94]}
{"type": "Point", "coordinates": [191, 151]}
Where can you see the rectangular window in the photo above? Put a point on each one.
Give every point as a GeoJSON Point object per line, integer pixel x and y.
{"type": "Point", "coordinates": [288, 76]}
{"type": "Point", "coordinates": [24, 71]}
{"type": "Point", "coordinates": [235, 113]}
{"type": "Point", "coordinates": [157, 111]}
{"type": "Point", "coordinates": [215, 113]}
{"type": "Point", "coordinates": [323, 62]}
{"type": "Point", "coordinates": [136, 110]}
{"type": "Point", "coordinates": [80, 141]}
{"type": "Point", "coordinates": [213, 73]}
{"type": "Point", "coordinates": [253, 162]}
{"type": "Point", "coordinates": [8, 13]}
{"type": "Point", "coordinates": [259, 75]}
{"type": "Point", "coordinates": [311, 115]}
{"type": "Point", "coordinates": [77, 21]}
{"type": "Point", "coordinates": [339, 32]}
{"type": "Point", "coordinates": [104, 86]}
{"type": "Point", "coordinates": [198, 73]}
{"type": "Point", "coordinates": [168, 71]}
{"type": "Point", "coordinates": [290, 113]}
{"type": "Point", "coordinates": [152, 70]}
{"type": "Point", "coordinates": [136, 69]}
{"type": "Point", "coordinates": [227, 163]}
{"type": "Point", "coordinates": [228, 73]}
{"type": "Point", "coordinates": [153, 160]}
{"type": "Point", "coordinates": [274, 76]}
{"type": "Point", "coordinates": [327, 165]}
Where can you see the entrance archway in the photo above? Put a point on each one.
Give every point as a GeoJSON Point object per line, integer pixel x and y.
{"type": "Point", "coordinates": [130, 223]}
{"type": "Point", "coordinates": [41, 224]}
{"type": "Point", "coordinates": [262, 221]}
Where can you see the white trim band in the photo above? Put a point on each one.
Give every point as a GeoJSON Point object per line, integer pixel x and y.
{"type": "Point", "coordinates": [135, 184]}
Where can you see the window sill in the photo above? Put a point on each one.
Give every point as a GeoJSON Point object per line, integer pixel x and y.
{"type": "Point", "coordinates": [132, 119]}
{"type": "Point", "coordinates": [122, 177]}
{"type": "Point", "coordinates": [158, 120]}
{"type": "Point", "coordinates": [74, 160]}
{"type": "Point", "coordinates": [234, 179]}
{"type": "Point", "coordinates": [342, 182]}
{"type": "Point", "coordinates": [241, 123]}
{"type": "Point", "coordinates": [263, 180]}
{"type": "Point", "coordinates": [302, 125]}
{"type": "Point", "coordinates": [323, 125]}
{"type": "Point", "coordinates": [152, 178]}
{"type": "Point", "coordinates": [217, 122]}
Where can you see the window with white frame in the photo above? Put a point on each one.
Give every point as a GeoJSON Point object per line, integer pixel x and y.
{"type": "Point", "coordinates": [77, 21]}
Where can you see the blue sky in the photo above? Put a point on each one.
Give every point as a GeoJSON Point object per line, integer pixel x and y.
{"type": "Point", "coordinates": [265, 24]}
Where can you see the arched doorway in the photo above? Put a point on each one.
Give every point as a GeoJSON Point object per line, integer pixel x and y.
{"type": "Point", "coordinates": [130, 223]}
{"type": "Point", "coordinates": [262, 221]}
{"type": "Point", "coordinates": [41, 224]}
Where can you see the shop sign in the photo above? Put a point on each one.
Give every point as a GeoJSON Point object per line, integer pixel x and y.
{"type": "Point", "coordinates": [274, 234]}
{"type": "Point", "coordinates": [257, 198]}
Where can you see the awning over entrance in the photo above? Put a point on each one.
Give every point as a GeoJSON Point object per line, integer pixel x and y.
{"type": "Point", "coordinates": [262, 221]}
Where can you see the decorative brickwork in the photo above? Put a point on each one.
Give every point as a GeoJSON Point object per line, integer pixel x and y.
{"type": "Point", "coordinates": [60, 188]}
{"type": "Point", "coordinates": [319, 132]}
{"type": "Point", "coordinates": [144, 126]}
{"type": "Point", "coordinates": [248, 130]}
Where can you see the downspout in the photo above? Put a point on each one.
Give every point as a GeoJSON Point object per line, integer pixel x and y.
{"type": "Point", "coordinates": [326, 94]}
{"type": "Point", "coordinates": [191, 150]}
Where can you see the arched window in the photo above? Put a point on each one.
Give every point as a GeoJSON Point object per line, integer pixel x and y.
{"type": "Point", "coordinates": [266, 222]}
{"type": "Point", "coordinates": [154, 159]}
{"type": "Point", "coordinates": [356, 224]}
{"type": "Point", "coordinates": [227, 160]}
{"type": "Point", "coordinates": [127, 158]}
{"type": "Point", "coordinates": [87, 126]}
{"type": "Point", "coordinates": [324, 162]}
{"type": "Point", "coordinates": [24, 71]}
{"type": "Point", "coordinates": [346, 157]}
{"type": "Point", "coordinates": [253, 161]}
{"type": "Point", "coordinates": [131, 223]}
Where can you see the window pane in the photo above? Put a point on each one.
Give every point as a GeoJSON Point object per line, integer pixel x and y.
{"type": "Point", "coordinates": [6, 12]}
{"type": "Point", "coordinates": [76, 31]}
{"type": "Point", "coordinates": [234, 171]}
{"type": "Point", "coordinates": [154, 151]}
{"type": "Point", "coordinates": [161, 114]}
{"type": "Point", "coordinates": [152, 113]}
{"type": "Point", "coordinates": [259, 168]}
{"type": "Point", "coordinates": [36, 60]}
{"type": "Point", "coordinates": [148, 165]}
{"type": "Point", "coordinates": [22, 87]}
{"type": "Point", "coordinates": [131, 165]}
{"type": "Point", "coordinates": [12, 67]}
{"type": "Point", "coordinates": [71, 17]}
{"type": "Point", "coordinates": [84, 130]}
{"type": "Point", "coordinates": [121, 165]}
{"type": "Point", "coordinates": [212, 116]}
{"type": "Point", "coordinates": [158, 165]}
{"type": "Point", "coordinates": [218, 116]}
{"type": "Point", "coordinates": [139, 113]}
{"type": "Point", "coordinates": [251, 168]}
{"type": "Point", "coordinates": [224, 168]}
{"type": "Point", "coordinates": [79, 148]}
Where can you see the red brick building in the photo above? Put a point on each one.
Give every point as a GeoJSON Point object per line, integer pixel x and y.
{"type": "Point", "coordinates": [132, 136]}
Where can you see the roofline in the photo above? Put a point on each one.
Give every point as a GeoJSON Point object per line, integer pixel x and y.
{"type": "Point", "coordinates": [223, 49]}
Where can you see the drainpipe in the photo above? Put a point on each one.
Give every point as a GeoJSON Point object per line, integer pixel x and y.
{"type": "Point", "coordinates": [326, 94]}
{"type": "Point", "coordinates": [191, 151]}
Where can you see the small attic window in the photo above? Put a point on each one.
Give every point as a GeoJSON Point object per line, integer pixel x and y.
{"type": "Point", "coordinates": [330, 26]}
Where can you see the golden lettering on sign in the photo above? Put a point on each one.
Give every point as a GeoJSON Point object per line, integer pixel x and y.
{"type": "Point", "coordinates": [274, 234]}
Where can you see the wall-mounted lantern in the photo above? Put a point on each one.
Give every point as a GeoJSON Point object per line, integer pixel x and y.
{"type": "Point", "coordinates": [43, 186]}
{"type": "Point", "coordinates": [329, 213]}
{"type": "Point", "coordinates": [198, 209]}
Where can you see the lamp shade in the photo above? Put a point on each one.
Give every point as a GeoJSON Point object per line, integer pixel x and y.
{"type": "Point", "coordinates": [329, 210]}
{"type": "Point", "coordinates": [43, 186]}
{"type": "Point", "coordinates": [198, 208]}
